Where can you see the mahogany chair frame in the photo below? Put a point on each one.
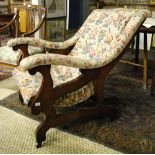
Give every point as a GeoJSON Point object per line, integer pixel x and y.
{"type": "Point", "coordinates": [43, 102]}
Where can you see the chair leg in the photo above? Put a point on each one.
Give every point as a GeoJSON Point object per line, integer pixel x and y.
{"type": "Point", "coordinates": [145, 62]}
{"type": "Point", "coordinates": [153, 80]}
{"type": "Point", "coordinates": [41, 132]}
{"type": "Point", "coordinates": [137, 51]}
{"type": "Point", "coordinates": [132, 46]}
{"type": "Point", "coordinates": [110, 113]}
{"type": "Point", "coordinates": [145, 70]}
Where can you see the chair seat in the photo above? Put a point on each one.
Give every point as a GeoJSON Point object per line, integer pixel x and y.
{"type": "Point", "coordinates": [8, 56]}
{"type": "Point", "coordinates": [29, 85]}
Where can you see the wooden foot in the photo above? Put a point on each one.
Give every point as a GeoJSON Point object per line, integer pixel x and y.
{"type": "Point", "coordinates": [40, 137]}
{"type": "Point", "coordinates": [38, 145]}
{"type": "Point", "coordinates": [41, 132]}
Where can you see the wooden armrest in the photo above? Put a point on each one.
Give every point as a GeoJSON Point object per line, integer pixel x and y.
{"type": "Point", "coordinates": [9, 19]}
{"type": "Point", "coordinates": [38, 26]}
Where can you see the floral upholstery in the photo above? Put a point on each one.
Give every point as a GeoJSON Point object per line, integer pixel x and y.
{"type": "Point", "coordinates": [8, 56]}
{"type": "Point", "coordinates": [29, 85]}
{"type": "Point", "coordinates": [99, 41]}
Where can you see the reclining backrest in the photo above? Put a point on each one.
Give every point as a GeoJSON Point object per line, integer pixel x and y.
{"type": "Point", "coordinates": [106, 32]}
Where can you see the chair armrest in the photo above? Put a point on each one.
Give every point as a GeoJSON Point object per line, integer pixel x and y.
{"type": "Point", "coordinates": [38, 26]}
{"type": "Point", "coordinates": [42, 43]}
{"type": "Point", "coordinates": [57, 59]}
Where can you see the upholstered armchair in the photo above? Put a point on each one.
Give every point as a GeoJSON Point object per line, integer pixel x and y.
{"type": "Point", "coordinates": [7, 21]}
{"type": "Point", "coordinates": [10, 58]}
{"type": "Point", "coordinates": [75, 69]}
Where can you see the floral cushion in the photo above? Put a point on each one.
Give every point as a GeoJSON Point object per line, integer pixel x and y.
{"type": "Point", "coordinates": [35, 50]}
{"type": "Point", "coordinates": [99, 41]}
{"type": "Point", "coordinates": [8, 56]}
{"type": "Point", "coordinates": [29, 85]}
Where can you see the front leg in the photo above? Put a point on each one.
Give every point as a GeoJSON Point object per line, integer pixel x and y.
{"type": "Point", "coordinates": [44, 103]}
{"type": "Point", "coordinates": [41, 132]}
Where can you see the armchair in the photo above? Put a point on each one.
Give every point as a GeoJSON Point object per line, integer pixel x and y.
{"type": "Point", "coordinates": [8, 20]}
{"type": "Point", "coordinates": [37, 14]}
{"type": "Point", "coordinates": [76, 69]}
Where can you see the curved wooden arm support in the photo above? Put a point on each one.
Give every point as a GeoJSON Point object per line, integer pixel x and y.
{"type": "Point", "coordinates": [40, 24]}
{"type": "Point", "coordinates": [35, 30]}
{"type": "Point", "coordinates": [16, 16]}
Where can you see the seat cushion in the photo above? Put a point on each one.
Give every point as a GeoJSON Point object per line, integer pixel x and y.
{"type": "Point", "coordinates": [35, 50]}
{"type": "Point", "coordinates": [8, 56]}
{"type": "Point", "coordinates": [29, 85]}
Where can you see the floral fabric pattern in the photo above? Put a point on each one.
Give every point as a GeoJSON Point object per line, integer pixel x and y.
{"type": "Point", "coordinates": [29, 85]}
{"type": "Point", "coordinates": [99, 41]}
{"type": "Point", "coordinates": [8, 56]}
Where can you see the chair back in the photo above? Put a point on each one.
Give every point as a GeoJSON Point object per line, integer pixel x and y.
{"type": "Point", "coordinates": [32, 21]}
{"type": "Point", "coordinates": [106, 33]}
